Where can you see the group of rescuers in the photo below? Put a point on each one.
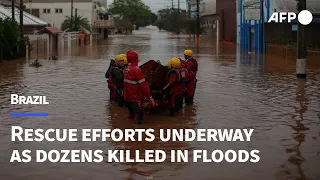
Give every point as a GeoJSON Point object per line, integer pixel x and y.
{"type": "Point", "coordinates": [128, 87]}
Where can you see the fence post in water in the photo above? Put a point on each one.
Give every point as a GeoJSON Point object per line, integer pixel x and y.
{"type": "Point", "coordinates": [91, 39]}
{"type": "Point", "coordinates": [51, 41]}
{"type": "Point", "coordinates": [301, 44]}
{"type": "Point", "coordinates": [218, 38]}
{"type": "Point", "coordinates": [198, 22]}
{"type": "Point", "coordinates": [62, 43]}
{"type": "Point", "coordinates": [69, 41]}
{"type": "Point", "coordinates": [37, 47]}
{"type": "Point", "coordinates": [48, 45]}
{"type": "Point", "coordinates": [27, 52]}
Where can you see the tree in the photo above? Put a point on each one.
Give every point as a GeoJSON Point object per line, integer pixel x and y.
{"type": "Point", "coordinates": [10, 39]}
{"type": "Point", "coordinates": [135, 11]}
{"type": "Point", "coordinates": [172, 20]}
{"type": "Point", "coordinates": [123, 24]}
{"type": "Point", "coordinates": [154, 18]}
{"type": "Point", "coordinates": [76, 23]}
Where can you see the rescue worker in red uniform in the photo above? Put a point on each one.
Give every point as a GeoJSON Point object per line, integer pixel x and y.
{"type": "Point", "coordinates": [115, 81]}
{"type": "Point", "coordinates": [192, 67]}
{"type": "Point", "coordinates": [184, 68]}
{"type": "Point", "coordinates": [125, 60]}
{"type": "Point", "coordinates": [136, 90]}
{"type": "Point", "coordinates": [175, 85]}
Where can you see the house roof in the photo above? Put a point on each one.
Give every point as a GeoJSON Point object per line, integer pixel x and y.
{"type": "Point", "coordinates": [28, 19]}
{"type": "Point", "coordinates": [9, 3]}
{"type": "Point", "coordinates": [50, 30]}
{"type": "Point", "coordinates": [85, 31]}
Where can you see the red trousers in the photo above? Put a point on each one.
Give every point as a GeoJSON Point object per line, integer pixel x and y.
{"type": "Point", "coordinates": [191, 87]}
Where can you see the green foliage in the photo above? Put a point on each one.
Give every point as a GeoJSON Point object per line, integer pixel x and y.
{"type": "Point", "coordinates": [174, 20]}
{"type": "Point", "coordinates": [76, 23]}
{"type": "Point", "coordinates": [11, 45]}
{"type": "Point", "coordinates": [132, 12]}
{"type": "Point", "coordinates": [154, 18]}
{"type": "Point", "coordinates": [124, 24]}
{"type": "Point", "coordinates": [192, 26]}
{"type": "Point", "coordinates": [35, 63]}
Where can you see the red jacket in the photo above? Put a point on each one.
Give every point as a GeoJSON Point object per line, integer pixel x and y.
{"type": "Point", "coordinates": [183, 63]}
{"type": "Point", "coordinates": [135, 86]}
{"type": "Point", "coordinates": [185, 69]}
{"type": "Point", "coordinates": [175, 80]}
{"type": "Point", "coordinates": [192, 66]}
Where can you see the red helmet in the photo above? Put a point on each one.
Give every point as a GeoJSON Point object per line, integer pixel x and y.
{"type": "Point", "coordinates": [132, 57]}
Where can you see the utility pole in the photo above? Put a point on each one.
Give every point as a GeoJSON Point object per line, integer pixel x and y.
{"type": "Point", "coordinates": [75, 17]}
{"type": "Point", "coordinates": [21, 19]}
{"type": "Point", "coordinates": [12, 9]}
{"type": "Point", "coordinates": [189, 12]}
{"type": "Point", "coordinates": [172, 5]}
{"type": "Point", "coordinates": [179, 15]}
{"type": "Point", "coordinates": [301, 44]}
{"type": "Point", "coordinates": [198, 22]}
{"type": "Point", "coordinates": [71, 20]}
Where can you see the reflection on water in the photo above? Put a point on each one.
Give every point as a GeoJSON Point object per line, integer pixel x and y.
{"type": "Point", "coordinates": [233, 91]}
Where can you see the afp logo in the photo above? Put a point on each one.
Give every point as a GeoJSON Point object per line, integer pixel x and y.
{"type": "Point", "coordinates": [304, 17]}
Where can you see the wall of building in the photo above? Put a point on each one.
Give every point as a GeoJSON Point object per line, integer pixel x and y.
{"type": "Point", "coordinates": [208, 7]}
{"type": "Point", "coordinates": [284, 33]}
{"type": "Point", "coordinates": [85, 9]}
{"type": "Point", "coordinates": [256, 31]}
{"type": "Point", "coordinates": [228, 19]}
{"type": "Point", "coordinates": [210, 30]}
{"type": "Point", "coordinates": [250, 32]}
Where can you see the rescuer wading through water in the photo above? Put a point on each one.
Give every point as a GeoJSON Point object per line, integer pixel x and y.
{"type": "Point", "coordinates": [115, 80]}
{"type": "Point", "coordinates": [192, 66]}
{"type": "Point", "coordinates": [129, 88]}
{"type": "Point", "coordinates": [175, 78]}
{"type": "Point", "coordinates": [136, 90]}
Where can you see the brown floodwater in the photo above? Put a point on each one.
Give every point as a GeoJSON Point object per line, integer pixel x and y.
{"type": "Point", "coordinates": [233, 91]}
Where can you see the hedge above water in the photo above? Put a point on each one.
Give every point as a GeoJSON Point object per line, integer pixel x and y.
{"type": "Point", "coordinates": [11, 45]}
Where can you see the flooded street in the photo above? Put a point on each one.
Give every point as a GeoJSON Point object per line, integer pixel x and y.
{"type": "Point", "coordinates": [232, 92]}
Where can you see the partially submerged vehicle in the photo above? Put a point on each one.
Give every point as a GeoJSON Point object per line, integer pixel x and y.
{"type": "Point", "coordinates": [154, 74]}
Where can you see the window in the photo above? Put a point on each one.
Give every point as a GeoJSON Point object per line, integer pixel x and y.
{"type": "Point", "coordinates": [46, 11]}
{"type": "Point", "coordinates": [35, 12]}
{"type": "Point", "coordinates": [59, 11]}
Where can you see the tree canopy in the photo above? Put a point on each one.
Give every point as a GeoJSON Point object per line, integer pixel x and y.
{"type": "Point", "coordinates": [132, 12]}
{"type": "Point", "coordinates": [11, 44]}
{"type": "Point", "coordinates": [174, 20]}
{"type": "Point", "coordinates": [76, 23]}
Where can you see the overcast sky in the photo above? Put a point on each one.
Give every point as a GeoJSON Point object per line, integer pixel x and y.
{"type": "Point", "coordinates": [156, 5]}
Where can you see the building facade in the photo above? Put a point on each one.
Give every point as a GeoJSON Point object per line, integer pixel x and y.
{"type": "Point", "coordinates": [55, 11]}
{"type": "Point", "coordinates": [209, 17]}
{"type": "Point", "coordinates": [221, 11]}
{"type": "Point", "coordinates": [228, 20]}
{"type": "Point", "coordinates": [253, 29]}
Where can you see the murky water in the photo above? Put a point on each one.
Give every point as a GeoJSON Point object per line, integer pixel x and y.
{"type": "Point", "coordinates": [232, 92]}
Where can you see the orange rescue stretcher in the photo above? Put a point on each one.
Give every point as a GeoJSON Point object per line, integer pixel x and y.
{"type": "Point", "coordinates": [154, 74]}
